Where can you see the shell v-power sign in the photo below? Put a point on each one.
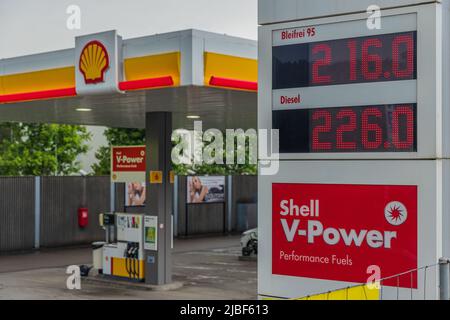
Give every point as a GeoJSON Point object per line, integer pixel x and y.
{"type": "Point", "coordinates": [362, 112]}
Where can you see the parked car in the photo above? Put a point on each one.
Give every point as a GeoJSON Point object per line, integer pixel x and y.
{"type": "Point", "coordinates": [249, 242]}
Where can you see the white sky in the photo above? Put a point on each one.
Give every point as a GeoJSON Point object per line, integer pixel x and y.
{"type": "Point", "coordinates": [33, 26]}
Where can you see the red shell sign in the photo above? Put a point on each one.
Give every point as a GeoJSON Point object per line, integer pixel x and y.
{"type": "Point", "coordinates": [128, 164]}
{"type": "Point", "coordinates": [129, 159]}
{"type": "Point", "coordinates": [335, 232]}
{"type": "Point", "coordinates": [94, 61]}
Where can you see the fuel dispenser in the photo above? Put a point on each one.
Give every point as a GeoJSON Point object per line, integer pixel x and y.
{"type": "Point", "coordinates": [123, 253]}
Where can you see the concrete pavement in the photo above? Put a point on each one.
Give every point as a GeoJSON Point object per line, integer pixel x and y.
{"type": "Point", "coordinates": [209, 268]}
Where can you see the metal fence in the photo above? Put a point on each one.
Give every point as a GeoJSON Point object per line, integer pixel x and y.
{"type": "Point", "coordinates": [431, 282]}
{"type": "Point", "coordinates": [17, 213]}
{"type": "Point", "coordinates": [416, 283]}
{"type": "Point", "coordinates": [61, 198]}
{"type": "Point", "coordinates": [42, 211]}
{"type": "Point", "coordinates": [207, 218]}
{"type": "Point", "coordinates": [428, 282]}
{"type": "Point", "coordinates": [215, 218]}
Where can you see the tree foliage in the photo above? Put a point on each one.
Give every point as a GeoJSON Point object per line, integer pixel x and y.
{"type": "Point", "coordinates": [130, 137]}
{"type": "Point", "coordinates": [116, 137]}
{"type": "Point", "coordinates": [234, 168]}
{"type": "Point", "coordinates": [41, 149]}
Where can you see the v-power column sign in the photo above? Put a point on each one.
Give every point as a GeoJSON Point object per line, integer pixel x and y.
{"type": "Point", "coordinates": [362, 147]}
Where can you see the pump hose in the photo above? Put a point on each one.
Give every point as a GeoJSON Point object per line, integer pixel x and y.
{"type": "Point", "coordinates": [127, 265]}
{"type": "Point", "coordinates": [131, 267]}
{"type": "Point", "coordinates": [136, 265]}
{"type": "Point", "coordinates": [138, 268]}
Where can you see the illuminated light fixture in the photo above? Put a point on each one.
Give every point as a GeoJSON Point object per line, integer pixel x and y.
{"type": "Point", "coordinates": [83, 109]}
{"type": "Point", "coordinates": [193, 117]}
{"type": "Point", "coordinates": [234, 84]}
{"type": "Point", "coordinates": [46, 94]}
{"type": "Point", "coordinates": [146, 83]}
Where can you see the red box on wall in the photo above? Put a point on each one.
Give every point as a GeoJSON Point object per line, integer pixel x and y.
{"type": "Point", "coordinates": [83, 217]}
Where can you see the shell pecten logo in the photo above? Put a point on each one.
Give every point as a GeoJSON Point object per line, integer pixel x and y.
{"type": "Point", "coordinates": [94, 61]}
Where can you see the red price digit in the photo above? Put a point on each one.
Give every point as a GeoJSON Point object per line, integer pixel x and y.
{"type": "Point", "coordinates": [408, 41]}
{"type": "Point", "coordinates": [350, 126]}
{"type": "Point", "coordinates": [323, 128]}
{"type": "Point", "coordinates": [407, 113]}
{"type": "Point", "coordinates": [325, 61]}
{"type": "Point", "coordinates": [371, 59]}
{"type": "Point", "coordinates": [368, 127]}
{"type": "Point", "coordinates": [353, 59]}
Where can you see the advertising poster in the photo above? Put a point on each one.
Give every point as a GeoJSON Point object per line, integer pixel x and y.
{"type": "Point", "coordinates": [208, 189]}
{"type": "Point", "coordinates": [128, 164]}
{"type": "Point", "coordinates": [135, 194]}
{"type": "Point", "coordinates": [335, 232]}
{"type": "Point", "coordinates": [151, 233]}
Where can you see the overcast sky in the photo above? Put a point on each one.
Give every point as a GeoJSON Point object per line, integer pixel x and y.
{"type": "Point", "coordinates": [33, 26]}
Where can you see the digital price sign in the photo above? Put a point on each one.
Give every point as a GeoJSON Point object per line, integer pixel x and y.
{"type": "Point", "coordinates": [388, 57]}
{"type": "Point", "coordinates": [385, 128]}
{"type": "Point", "coordinates": [324, 87]}
{"type": "Point", "coordinates": [355, 107]}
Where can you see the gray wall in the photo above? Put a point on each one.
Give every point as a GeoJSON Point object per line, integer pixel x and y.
{"type": "Point", "coordinates": [245, 190]}
{"type": "Point", "coordinates": [209, 218]}
{"type": "Point", "coordinates": [202, 218]}
{"type": "Point", "coordinates": [62, 196]}
{"type": "Point", "coordinates": [206, 218]}
{"type": "Point", "coordinates": [59, 202]}
{"type": "Point", "coordinates": [16, 213]}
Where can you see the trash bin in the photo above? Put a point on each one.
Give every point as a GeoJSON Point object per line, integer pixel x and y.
{"type": "Point", "coordinates": [97, 255]}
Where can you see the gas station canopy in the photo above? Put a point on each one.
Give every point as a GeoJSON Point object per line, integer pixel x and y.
{"type": "Point", "coordinates": [115, 82]}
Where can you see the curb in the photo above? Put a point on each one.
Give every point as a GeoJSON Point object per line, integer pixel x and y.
{"type": "Point", "coordinates": [131, 285]}
{"type": "Point", "coordinates": [250, 258]}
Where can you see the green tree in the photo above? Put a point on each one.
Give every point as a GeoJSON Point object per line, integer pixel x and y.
{"type": "Point", "coordinates": [130, 137]}
{"type": "Point", "coordinates": [116, 137]}
{"type": "Point", "coordinates": [41, 149]}
{"type": "Point", "coordinates": [246, 168]}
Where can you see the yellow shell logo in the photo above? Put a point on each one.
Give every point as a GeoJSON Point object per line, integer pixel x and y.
{"type": "Point", "coordinates": [94, 61]}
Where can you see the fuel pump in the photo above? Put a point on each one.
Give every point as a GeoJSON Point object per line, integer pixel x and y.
{"type": "Point", "coordinates": [124, 258]}
{"type": "Point", "coordinates": [132, 260]}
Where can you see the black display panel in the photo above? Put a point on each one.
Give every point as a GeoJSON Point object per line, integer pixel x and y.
{"type": "Point", "coordinates": [388, 57]}
{"type": "Point", "coordinates": [385, 128]}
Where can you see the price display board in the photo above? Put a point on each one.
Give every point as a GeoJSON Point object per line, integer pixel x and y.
{"type": "Point", "coordinates": [388, 57]}
{"type": "Point", "coordinates": [385, 128]}
{"type": "Point", "coordinates": [339, 90]}
{"type": "Point", "coordinates": [362, 115]}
